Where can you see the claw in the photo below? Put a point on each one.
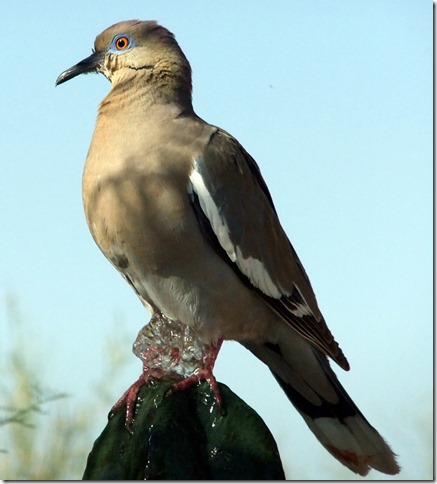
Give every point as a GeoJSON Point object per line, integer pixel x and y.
{"type": "Point", "coordinates": [129, 397]}
{"type": "Point", "coordinates": [203, 374]}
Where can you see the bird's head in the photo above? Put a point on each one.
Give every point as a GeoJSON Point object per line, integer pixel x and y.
{"type": "Point", "coordinates": [136, 50]}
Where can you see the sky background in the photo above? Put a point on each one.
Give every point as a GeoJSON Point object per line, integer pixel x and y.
{"type": "Point", "coordinates": [334, 101]}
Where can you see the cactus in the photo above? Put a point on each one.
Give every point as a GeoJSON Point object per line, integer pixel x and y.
{"type": "Point", "coordinates": [185, 435]}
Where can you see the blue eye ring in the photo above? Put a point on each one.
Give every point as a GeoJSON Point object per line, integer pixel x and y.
{"type": "Point", "coordinates": [121, 43]}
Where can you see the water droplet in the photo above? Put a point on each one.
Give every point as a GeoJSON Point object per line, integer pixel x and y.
{"type": "Point", "coordinates": [169, 348]}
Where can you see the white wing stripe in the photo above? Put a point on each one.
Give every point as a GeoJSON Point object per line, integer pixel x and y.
{"type": "Point", "coordinates": [252, 268]}
{"type": "Point", "coordinates": [211, 211]}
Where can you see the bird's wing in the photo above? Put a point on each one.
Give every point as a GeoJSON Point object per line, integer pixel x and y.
{"type": "Point", "coordinates": [237, 216]}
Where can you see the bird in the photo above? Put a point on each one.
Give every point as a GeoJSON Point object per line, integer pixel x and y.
{"type": "Point", "coordinates": [182, 211]}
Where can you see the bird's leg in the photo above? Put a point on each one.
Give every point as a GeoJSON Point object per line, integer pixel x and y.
{"type": "Point", "coordinates": [170, 350]}
{"type": "Point", "coordinates": [204, 373]}
{"type": "Point", "coordinates": [129, 397]}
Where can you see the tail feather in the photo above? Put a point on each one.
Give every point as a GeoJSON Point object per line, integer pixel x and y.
{"type": "Point", "coordinates": [310, 384]}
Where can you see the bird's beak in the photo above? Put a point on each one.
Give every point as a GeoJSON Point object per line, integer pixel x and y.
{"type": "Point", "coordinates": [90, 64]}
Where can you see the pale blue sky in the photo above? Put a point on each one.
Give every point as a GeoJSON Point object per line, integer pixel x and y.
{"type": "Point", "coordinates": [334, 101]}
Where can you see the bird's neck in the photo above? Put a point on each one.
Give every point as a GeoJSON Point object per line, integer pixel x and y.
{"type": "Point", "coordinates": [146, 89]}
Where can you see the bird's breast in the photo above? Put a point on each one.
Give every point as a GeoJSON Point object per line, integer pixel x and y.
{"type": "Point", "coordinates": [137, 212]}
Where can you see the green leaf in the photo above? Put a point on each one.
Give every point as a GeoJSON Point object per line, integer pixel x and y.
{"type": "Point", "coordinates": [185, 436]}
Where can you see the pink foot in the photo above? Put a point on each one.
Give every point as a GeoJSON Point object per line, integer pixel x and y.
{"type": "Point", "coordinates": [203, 374]}
{"type": "Point", "coordinates": [129, 397]}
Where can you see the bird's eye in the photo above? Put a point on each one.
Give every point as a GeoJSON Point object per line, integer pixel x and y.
{"type": "Point", "coordinates": [122, 43]}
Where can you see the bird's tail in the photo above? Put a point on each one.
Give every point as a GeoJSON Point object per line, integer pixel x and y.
{"type": "Point", "coordinates": [306, 377]}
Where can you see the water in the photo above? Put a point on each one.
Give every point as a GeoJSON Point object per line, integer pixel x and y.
{"type": "Point", "coordinates": [169, 349]}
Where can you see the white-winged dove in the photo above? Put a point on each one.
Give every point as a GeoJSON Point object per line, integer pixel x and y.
{"type": "Point", "coordinates": [181, 210]}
